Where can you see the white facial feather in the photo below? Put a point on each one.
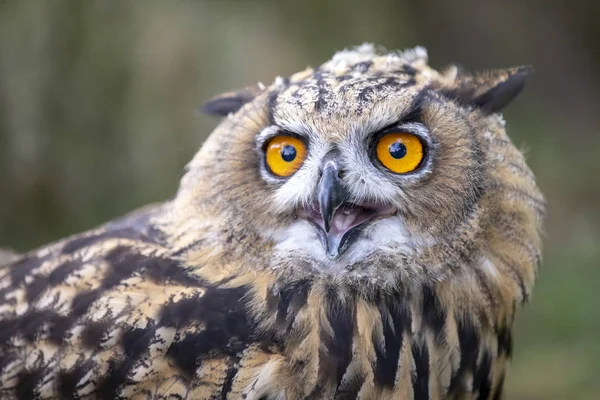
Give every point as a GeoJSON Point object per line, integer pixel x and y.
{"type": "Point", "coordinates": [387, 235]}
{"type": "Point", "coordinates": [299, 190]}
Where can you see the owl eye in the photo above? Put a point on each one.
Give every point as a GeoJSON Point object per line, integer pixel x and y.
{"type": "Point", "coordinates": [400, 152]}
{"type": "Point", "coordinates": [284, 155]}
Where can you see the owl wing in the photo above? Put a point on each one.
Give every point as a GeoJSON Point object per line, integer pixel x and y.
{"type": "Point", "coordinates": [112, 314]}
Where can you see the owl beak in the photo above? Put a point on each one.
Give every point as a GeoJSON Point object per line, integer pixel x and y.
{"type": "Point", "coordinates": [331, 193]}
{"type": "Point", "coordinates": [338, 221]}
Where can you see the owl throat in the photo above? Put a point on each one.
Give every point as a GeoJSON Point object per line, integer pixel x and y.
{"type": "Point", "coordinates": [417, 343]}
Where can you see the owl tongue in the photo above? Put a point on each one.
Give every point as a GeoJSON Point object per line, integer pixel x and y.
{"type": "Point", "coordinates": [347, 217]}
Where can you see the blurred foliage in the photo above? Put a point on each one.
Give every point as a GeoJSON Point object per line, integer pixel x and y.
{"type": "Point", "coordinates": [98, 105]}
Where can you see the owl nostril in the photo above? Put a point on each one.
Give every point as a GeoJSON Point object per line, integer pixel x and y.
{"type": "Point", "coordinates": [340, 173]}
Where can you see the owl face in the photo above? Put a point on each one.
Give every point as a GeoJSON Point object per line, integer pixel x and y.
{"type": "Point", "coordinates": [367, 160]}
{"type": "Point", "coordinates": [360, 170]}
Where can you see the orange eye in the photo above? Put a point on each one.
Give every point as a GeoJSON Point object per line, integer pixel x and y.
{"type": "Point", "coordinates": [285, 154]}
{"type": "Point", "coordinates": [400, 152]}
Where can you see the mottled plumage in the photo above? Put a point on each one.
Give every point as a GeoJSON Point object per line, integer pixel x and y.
{"type": "Point", "coordinates": [227, 291]}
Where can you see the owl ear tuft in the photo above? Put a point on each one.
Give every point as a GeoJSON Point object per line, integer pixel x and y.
{"type": "Point", "coordinates": [503, 88]}
{"type": "Point", "coordinates": [230, 102]}
{"type": "Point", "coordinates": [490, 91]}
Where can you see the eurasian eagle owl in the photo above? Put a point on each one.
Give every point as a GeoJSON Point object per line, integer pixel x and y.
{"type": "Point", "coordinates": [363, 229]}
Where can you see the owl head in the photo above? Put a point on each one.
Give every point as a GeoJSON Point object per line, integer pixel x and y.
{"type": "Point", "coordinates": [372, 167]}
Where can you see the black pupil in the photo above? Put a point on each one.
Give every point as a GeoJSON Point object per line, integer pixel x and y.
{"type": "Point", "coordinates": [288, 153]}
{"type": "Point", "coordinates": [397, 150]}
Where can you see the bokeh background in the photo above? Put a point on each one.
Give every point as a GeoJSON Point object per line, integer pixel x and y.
{"type": "Point", "coordinates": [98, 115]}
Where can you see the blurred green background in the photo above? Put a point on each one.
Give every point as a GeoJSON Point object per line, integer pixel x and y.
{"type": "Point", "coordinates": [98, 115]}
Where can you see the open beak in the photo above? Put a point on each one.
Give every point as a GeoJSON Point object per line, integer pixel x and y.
{"type": "Point", "coordinates": [337, 220]}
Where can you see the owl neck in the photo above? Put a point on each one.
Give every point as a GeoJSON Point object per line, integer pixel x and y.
{"type": "Point", "coordinates": [341, 339]}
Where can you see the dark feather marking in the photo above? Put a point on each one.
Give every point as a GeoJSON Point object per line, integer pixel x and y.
{"type": "Point", "coordinates": [504, 342]}
{"type": "Point", "coordinates": [271, 104]}
{"type": "Point", "coordinates": [59, 325]}
{"type": "Point", "coordinates": [462, 95]}
{"type": "Point", "coordinates": [433, 313]}
{"type": "Point", "coordinates": [288, 301]}
{"type": "Point", "coordinates": [135, 343]}
{"type": "Point", "coordinates": [481, 380]}
{"type": "Point", "coordinates": [409, 69]}
{"type": "Point", "coordinates": [57, 276]}
{"type": "Point", "coordinates": [395, 319]}
{"type": "Point", "coordinates": [390, 82]}
{"type": "Point", "coordinates": [336, 352]}
{"type": "Point", "coordinates": [83, 301]}
{"type": "Point", "coordinates": [222, 312]}
{"type": "Point", "coordinates": [187, 352]}
{"type": "Point", "coordinates": [68, 381]}
{"type": "Point", "coordinates": [231, 373]}
{"type": "Point", "coordinates": [222, 105]}
{"type": "Point", "coordinates": [296, 95]}
{"type": "Point", "coordinates": [166, 270]}
{"type": "Point", "coordinates": [26, 383]}
{"type": "Point", "coordinates": [93, 332]}
{"type": "Point", "coordinates": [499, 96]}
{"type": "Point", "coordinates": [468, 339]}
{"type": "Point", "coordinates": [124, 262]}
{"type": "Point", "coordinates": [350, 388]}
{"type": "Point", "coordinates": [414, 113]}
{"type": "Point", "coordinates": [8, 356]}
{"type": "Point", "coordinates": [60, 273]}
{"type": "Point", "coordinates": [321, 101]}
{"type": "Point", "coordinates": [218, 306]}
{"type": "Point", "coordinates": [30, 325]}
{"type": "Point", "coordinates": [187, 248]}
{"type": "Point", "coordinates": [420, 379]}
{"type": "Point", "coordinates": [35, 289]}
{"type": "Point", "coordinates": [20, 270]}
{"type": "Point", "coordinates": [495, 98]}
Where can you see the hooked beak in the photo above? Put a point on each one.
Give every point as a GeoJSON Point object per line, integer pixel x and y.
{"type": "Point", "coordinates": [331, 193]}
{"type": "Point", "coordinates": [338, 221]}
